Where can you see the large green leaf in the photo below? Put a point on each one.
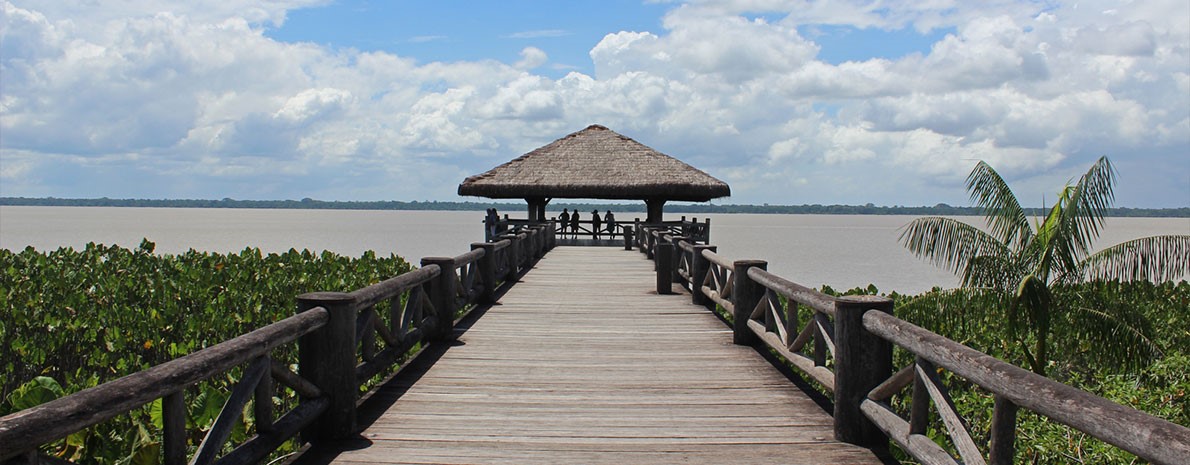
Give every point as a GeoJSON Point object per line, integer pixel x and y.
{"type": "Point", "coordinates": [38, 391]}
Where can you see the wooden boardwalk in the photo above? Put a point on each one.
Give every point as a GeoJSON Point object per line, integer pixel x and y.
{"type": "Point", "coordinates": [583, 362]}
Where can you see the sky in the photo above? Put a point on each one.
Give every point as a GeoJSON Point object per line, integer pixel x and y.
{"type": "Point", "coordinates": [789, 101]}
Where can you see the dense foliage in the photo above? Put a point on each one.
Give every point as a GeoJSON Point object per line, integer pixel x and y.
{"type": "Point", "coordinates": [72, 319]}
{"type": "Point", "coordinates": [1159, 388]}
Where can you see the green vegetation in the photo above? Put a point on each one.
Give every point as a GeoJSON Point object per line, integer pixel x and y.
{"type": "Point", "coordinates": [72, 319]}
{"type": "Point", "coordinates": [696, 208]}
{"type": "Point", "coordinates": [1113, 323]}
{"type": "Point", "coordinates": [1159, 388]}
{"type": "Point", "coordinates": [1017, 268]}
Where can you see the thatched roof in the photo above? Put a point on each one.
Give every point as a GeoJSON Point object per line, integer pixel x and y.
{"type": "Point", "coordinates": [596, 163]}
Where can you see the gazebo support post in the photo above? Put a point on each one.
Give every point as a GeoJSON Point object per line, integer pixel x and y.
{"type": "Point", "coordinates": [655, 208]}
{"type": "Point", "coordinates": [537, 208]}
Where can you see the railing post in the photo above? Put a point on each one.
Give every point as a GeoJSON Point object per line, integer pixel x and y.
{"type": "Point", "coordinates": [650, 244]}
{"type": "Point", "coordinates": [539, 242]}
{"type": "Point", "coordinates": [629, 237]}
{"type": "Point", "coordinates": [639, 235]}
{"type": "Point", "coordinates": [552, 235]}
{"type": "Point", "coordinates": [664, 264]}
{"type": "Point", "coordinates": [442, 295]}
{"type": "Point", "coordinates": [862, 361]}
{"type": "Point", "coordinates": [1003, 432]}
{"type": "Point", "coordinates": [699, 268]}
{"type": "Point", "coordinates": [326, 357]}
{"type": "Point", "coordinates": [745, 294]}
{"type": "Point", "coordinates": [487, 271]}
{"type": "Point", "coordinates": [513, 252]}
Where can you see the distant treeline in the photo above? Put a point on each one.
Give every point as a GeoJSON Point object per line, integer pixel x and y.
{"type": "Point", "coordinates": [514, 208]}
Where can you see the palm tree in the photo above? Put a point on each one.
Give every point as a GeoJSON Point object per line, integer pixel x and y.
{"type": "Point", "coordinates": [1019, 265]}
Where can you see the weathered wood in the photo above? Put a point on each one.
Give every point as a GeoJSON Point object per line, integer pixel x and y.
{"type": "Point", "coordinates": [920, 446]}
{"type": "Point", "coordinates": [24, 430]}
{"type": "Point", "coordinates": [372, 295]}
{"type": "Point", "coordinates": [442, 296]}
{"type": "Point", "coordinates": [796, 292]}
{"type": "Point", "coordinates": [487, 271]}
{"type": "Point", "coordinates": [664, 252]}
{"type": "Point", "coordinates": [919, 407]}
{"type": "Point", "coordinates": [675, 257]}
{"type": "Point", "coordinates": [291, 380]}
{"type": "Point", "coordinates": [1003, 432]}
{"type": "Point", "coordinates": [603, 372]}
{"type": "Point", "coordinates": [1149, 437]}
{"type": "Point", "coordinates": [893, 385]}
{"type": "Point", "coordinates": [173, 417]}
{"type": "Point", "coordinates": [259, 447]}
{"type": "Point", "coordinates": [326, 358]}
{"type": "Point", "coordinates": [818, 373]}
{"type": "Point", "coordinates": [862, 362]}
{"type": "Point", "coordinates": [699, 268]}
{"type": "Point", "coordinates": [956, 427]}
{"type": "Point", "coordinates": [262, 400]}
{"type": "Point", "coordinates": [513, 254]}
{"type": "Point", "coordinates": [746, 293]}
{"type": "Point", "coordinates": [212, 444]}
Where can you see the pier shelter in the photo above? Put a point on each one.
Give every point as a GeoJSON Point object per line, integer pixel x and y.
{"type": "Point", "coordinates": [595, 163]}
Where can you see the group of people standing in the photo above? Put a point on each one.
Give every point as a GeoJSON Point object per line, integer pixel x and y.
{"type": "Point", "coordinates": [570, 221]}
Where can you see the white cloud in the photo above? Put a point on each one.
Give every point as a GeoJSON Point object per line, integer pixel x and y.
{"type": "Point", "coordinates": [531, 57]}
{"type": "Point", "coordinates": [196, 97]}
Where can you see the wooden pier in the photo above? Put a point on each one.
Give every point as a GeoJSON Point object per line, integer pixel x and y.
{"type": "Point", "coordinates": [583, 362]}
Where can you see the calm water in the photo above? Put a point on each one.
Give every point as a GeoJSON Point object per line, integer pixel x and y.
{"type": "Point", "coordinates": [843, 251]}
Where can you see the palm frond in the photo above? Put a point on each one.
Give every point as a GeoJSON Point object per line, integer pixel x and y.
{"type": "Point", "coordinates": [1001, 208]}
{"type": "Point", "coordinates": [1154, 258]}
{"type": "Point", "coordinates": [1113, 337]}
{"type": "Point", "coordinates": [949, 243]}
{"type": "Point", "coordinates": [1087, 206]}
{"type": "Point", "coordinates": [994, 271]}
{"type": "Point", "coordinates": [1074, 221]}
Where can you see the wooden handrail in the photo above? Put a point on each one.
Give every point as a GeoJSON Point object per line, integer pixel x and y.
{"type": "Point", "coordinates": [1149, 437]}
{"type": "Point", "coordinates": [469, 257]}
{"type": "Point", "coordinates": [66, 415]}
{"type": "Point", "coordinates": [371, 295]}
{"type": "Point", "coordinates": [816, 300]}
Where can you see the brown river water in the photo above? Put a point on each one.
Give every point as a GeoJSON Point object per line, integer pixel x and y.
{"type": "Point", "coordinates": [843, 251]}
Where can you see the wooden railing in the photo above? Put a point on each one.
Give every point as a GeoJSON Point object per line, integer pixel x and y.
{"type": "Point", "coordinates": [343, 339]}
{"type": "Point", "coordinates": [845, 345]}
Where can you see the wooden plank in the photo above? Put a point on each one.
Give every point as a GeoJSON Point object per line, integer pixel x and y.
{"type": "Point", "coordinates": [583, 362]}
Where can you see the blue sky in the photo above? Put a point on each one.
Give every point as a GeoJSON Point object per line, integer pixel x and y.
{"type": "Point", "coordinates": [789, 101]}
{"type": "Point", "coordinates": [457, 30]}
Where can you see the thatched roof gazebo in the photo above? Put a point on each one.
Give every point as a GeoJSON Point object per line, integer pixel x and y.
{"type": "Point", "coordinates": [595, 163]}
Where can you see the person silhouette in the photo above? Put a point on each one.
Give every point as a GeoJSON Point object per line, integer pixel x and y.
{"type": "Point", "coordinates": [574, 219]}
{"type": "Point", "coordinates": [595, 224]}
{"type": "Point", "coordinates": [563, 221]}
{"type": "Point", "coordinates": [610, 219]}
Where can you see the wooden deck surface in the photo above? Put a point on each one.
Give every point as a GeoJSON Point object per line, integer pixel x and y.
{"type": "Point", "coordinates": [583, 362]}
